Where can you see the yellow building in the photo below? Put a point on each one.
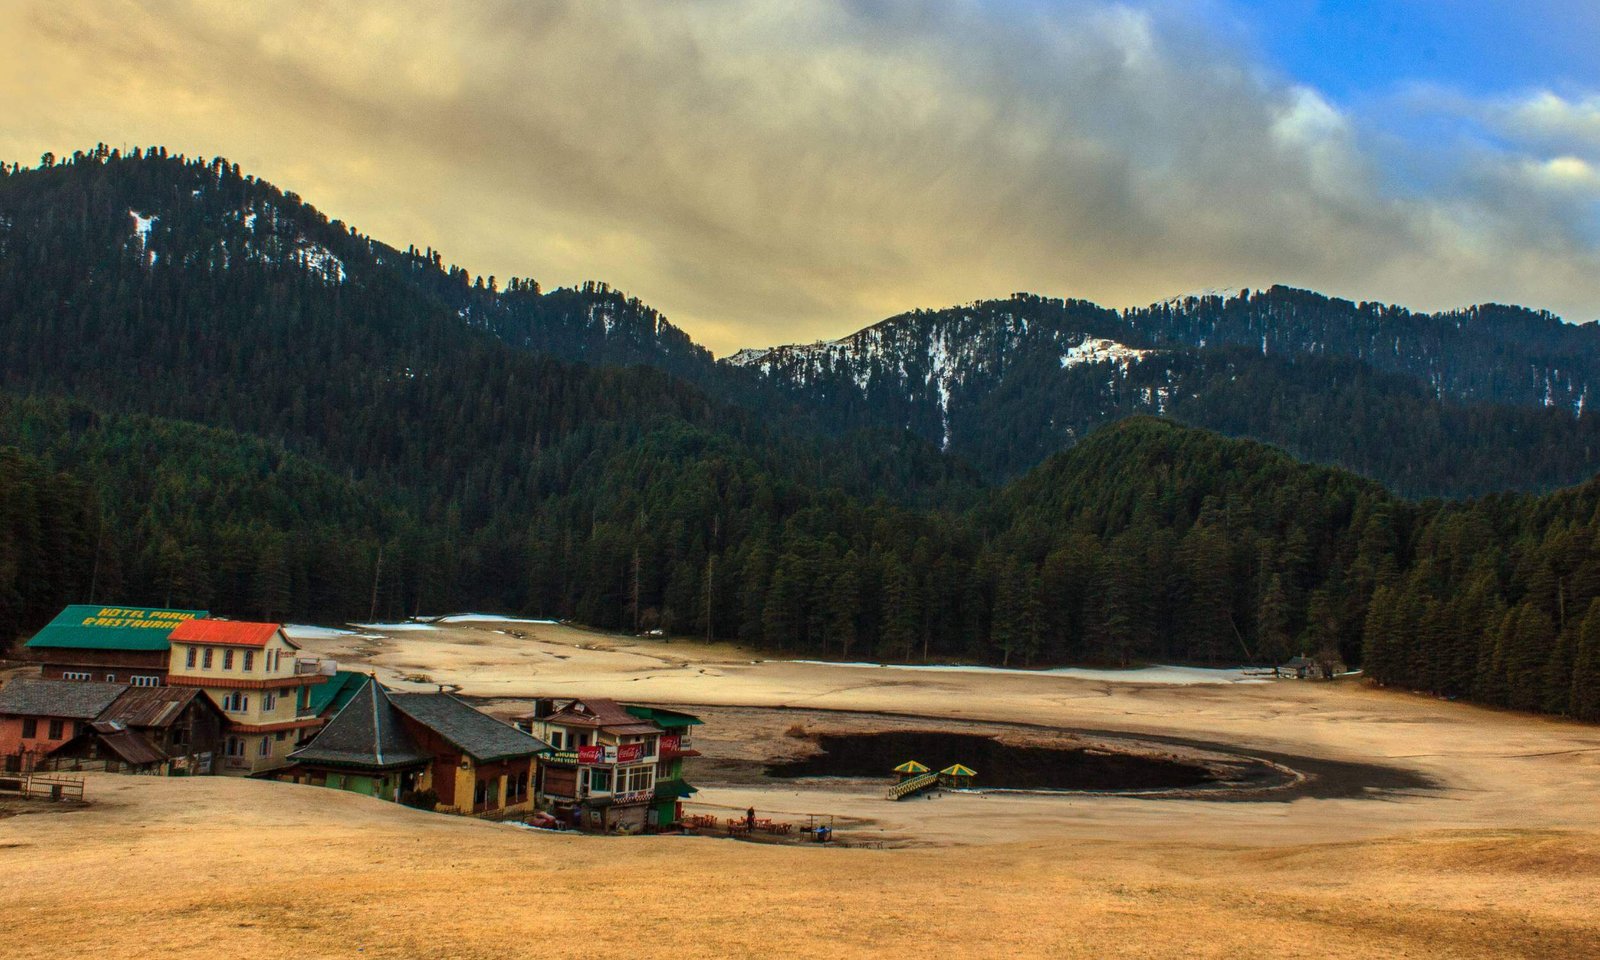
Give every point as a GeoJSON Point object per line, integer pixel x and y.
{"type": "Point", "coordinates": [253, 673]}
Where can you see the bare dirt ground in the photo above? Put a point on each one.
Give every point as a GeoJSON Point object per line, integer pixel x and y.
{"type": "Point", "coordinates": [1439, 830]}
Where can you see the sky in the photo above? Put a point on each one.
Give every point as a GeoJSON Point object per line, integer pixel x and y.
{"type": "Point", "coordinates": [769, 172]}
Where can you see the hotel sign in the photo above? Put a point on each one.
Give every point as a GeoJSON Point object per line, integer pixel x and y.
{"type": "Point", "coordinates": [123, 618]}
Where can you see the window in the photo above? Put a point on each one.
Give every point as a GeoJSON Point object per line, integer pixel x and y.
{"type": "Point", "coordinates": [269, 701]}
{"type": "Point", "coordinates": [281, 735]}
{"type": "Point", "coordinates": [205, 661]}
{"type": "Point", "coordinates": [249, 660]}
{"type": "Point", "coordinates": [517, 788]}
{"type": "Point", "coordinates": [111, 678]}
{"type": "Point", "coordinates": [57, 728]}
{"type": "Point", "coordinates": [639, 778]}
{"type": "Point", "coordinates": [265, 749]}
{"type": "Point", "coordinates": [180, 736]}
{"type": "Point", "coordinates": [235, 747]}
{"type": "Point", "coordinates": [145, 681]}
{"type": "Point", "coordinates": [600, 780]}
{"type": "Point", "coordinates": [72, 675]}
{"type": "Point", "coordinates": [227, 659]}
{"type": "Point", "coordinates": [30, 728]}
{"type": "Point", "coordinates": [188, 659]}
{"type": "Point", "coordinates": [236, 702]}
{"type": "Point", "coordinates": [555, 738]}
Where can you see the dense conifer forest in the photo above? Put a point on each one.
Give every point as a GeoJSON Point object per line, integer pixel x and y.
{"type": "Point", "coordinates": [215, 397]}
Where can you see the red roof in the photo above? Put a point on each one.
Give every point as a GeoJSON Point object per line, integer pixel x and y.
{"type": "Point", "coordinates": [232, 633]}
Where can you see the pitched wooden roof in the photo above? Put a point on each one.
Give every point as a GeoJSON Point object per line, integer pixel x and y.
{"type": "Point", "coordinates": [472, 731]}
{"type": "Point", "coordinates": [600, 713]}
{"type": "Point", "coordinates": [367, 733]}
{"type": "Point", "coordinates": [152, 706]}
{"type": "Point", "coordinates": [132, 747]}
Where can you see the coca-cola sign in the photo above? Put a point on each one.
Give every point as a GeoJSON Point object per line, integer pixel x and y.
{"type": "Point", "coordinates": [630, 753]}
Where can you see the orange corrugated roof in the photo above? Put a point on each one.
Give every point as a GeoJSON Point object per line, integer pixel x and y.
{"type": "Point", "coordinates": [232, 633]}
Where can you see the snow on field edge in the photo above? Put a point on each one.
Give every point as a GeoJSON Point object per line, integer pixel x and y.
{"type": "Point", "coordinates": [305, 631]}
{"type": "Point", "coordinates": [1157, 674]}
{"type": "Point", "coordinates": [489, 618]}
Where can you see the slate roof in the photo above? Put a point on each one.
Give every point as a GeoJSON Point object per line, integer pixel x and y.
{"type": "Point", "coordinates": [473, 732]}
{"type": "Point", "coordinates": [366, 733]}
{"type": "Point", "coordinates": [150, 706]}
{"type": "Point", "coordinates": [229, 633]}
{"type": "Point", "coordinates": [94, 627]}
{"type": "Point", "coordinates": [70, 699]}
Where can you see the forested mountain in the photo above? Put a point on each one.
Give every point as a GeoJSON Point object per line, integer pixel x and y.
{"type": "Point", "coordinates": [1450, 410]}
{"type": "Point", "coordinates": [1445, 405]}
{"type": "Point", "coordinates": [1490, 352]}
{"type": "Point", "coordinates": [216, 398]}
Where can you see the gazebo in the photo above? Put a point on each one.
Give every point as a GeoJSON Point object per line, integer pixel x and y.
{"type": "Point", "coordinates": [957, 775]}
{"type": "Point", "coordinates": [909, 769]}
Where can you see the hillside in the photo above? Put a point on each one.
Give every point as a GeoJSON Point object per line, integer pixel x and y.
{"type": "Point", "coordinates": [1456, 405]}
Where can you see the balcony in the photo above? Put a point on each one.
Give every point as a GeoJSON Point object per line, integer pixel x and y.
{"type": "Point", "coordinates": [315, 667]}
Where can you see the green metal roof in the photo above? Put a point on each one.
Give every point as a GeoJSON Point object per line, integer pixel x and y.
{"type": "Point", "coordinates": [664, 717]}
{"type": "Point", "coordinates": [335, 692]}
{"type": "Point", "coordinates": [91, 627]}
{"type": "Point", "coordinates": [670, 789]}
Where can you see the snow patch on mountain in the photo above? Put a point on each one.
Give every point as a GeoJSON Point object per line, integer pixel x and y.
{"type": "Point", "coordinates": [935, 358]}
{"type": "Point", "coordinates": [320, 260]}
{"type": "Point", "coordinates": [142, 226]}
{"type": "Point", "coordinates": [1097, 350]}
{"type": "Point", "coordinates": [1224, 292]}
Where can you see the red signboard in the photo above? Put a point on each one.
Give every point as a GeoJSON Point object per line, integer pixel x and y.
{"type": "Point", "coordinates": [630, 753]}
{"type": "Point", "coordinates": [670, 742]}
{"type": "Point", "coordinates": [592, 754]}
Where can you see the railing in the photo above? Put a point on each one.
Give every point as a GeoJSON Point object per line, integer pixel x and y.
{"type": "Point", "coordinates": [317, 667]}
{"type": "Point", "coordinates": [33, 785]}
{"type": "Point", "coordinates": [905, 788]}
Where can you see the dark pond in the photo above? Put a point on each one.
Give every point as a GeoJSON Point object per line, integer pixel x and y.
{"type": "Point", "coordinates": [998, 764]}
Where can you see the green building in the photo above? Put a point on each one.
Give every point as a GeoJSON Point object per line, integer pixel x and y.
{"type": "Point", "coordinates": [675, 745]}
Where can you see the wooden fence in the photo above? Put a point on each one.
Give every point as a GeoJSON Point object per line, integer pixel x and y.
{"type": "Point", "coordinates": [41, 786]}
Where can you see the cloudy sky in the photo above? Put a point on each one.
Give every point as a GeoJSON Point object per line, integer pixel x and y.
{"type": "Point", "coordinates": [771, 171]}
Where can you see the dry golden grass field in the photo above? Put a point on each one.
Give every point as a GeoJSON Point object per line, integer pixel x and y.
{"type": "Point", "coordinates": [1478, 840]}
